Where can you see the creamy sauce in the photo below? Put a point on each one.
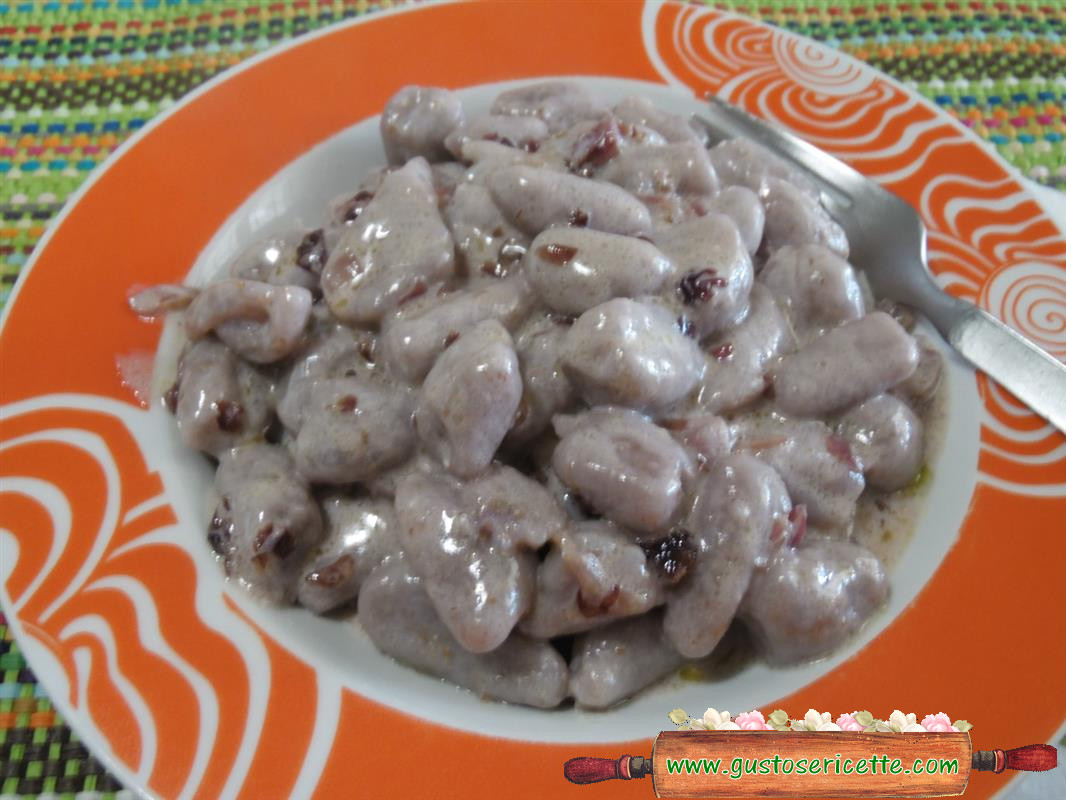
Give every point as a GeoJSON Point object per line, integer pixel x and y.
{"type": "Point", "coordinates": [675, 333]}
{"type": "Point", "coordinates": [885, 522]}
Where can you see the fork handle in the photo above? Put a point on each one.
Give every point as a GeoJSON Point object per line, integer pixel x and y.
{"type": "Point", "coordinates": [1030, 374]}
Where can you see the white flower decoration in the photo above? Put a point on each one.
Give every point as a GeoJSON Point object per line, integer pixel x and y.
{"type": "Point", "coordinates": [718, 721]}
{"type": "Point", "coordinates": [904, 723]}
{"type": "Point", "coordinates": [813, 721]}
{"type": "Point", "coordinates": [902, 720]}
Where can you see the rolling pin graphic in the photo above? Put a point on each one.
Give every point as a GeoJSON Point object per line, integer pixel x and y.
{"type": "Point", "coordinates": [941, 750]}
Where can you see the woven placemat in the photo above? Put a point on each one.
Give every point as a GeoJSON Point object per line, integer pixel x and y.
{"type": "Point", "coordinates": [38, 753]}
{"type": "Point", "coordinates": [79, 76]}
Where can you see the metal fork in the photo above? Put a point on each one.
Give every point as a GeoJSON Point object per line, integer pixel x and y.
{"type": "Point", "coordinates": [888, 242]}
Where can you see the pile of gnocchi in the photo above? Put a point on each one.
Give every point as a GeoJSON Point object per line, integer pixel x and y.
{"type": "Point", "coordinates": [554, 399]}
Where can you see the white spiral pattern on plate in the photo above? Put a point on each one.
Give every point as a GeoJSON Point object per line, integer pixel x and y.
{"type": "Point", "coordinates": [843, 107]}
{"type": "Point", "coordinates": [819, 68]}
{"type": "Point", "coordinates": [104, 570]}
{"type": "Point", "coordinates": [1031, 298]}
{"type": "Point", "coordinates": [976, 221]}
{"type": "Point", "coordinates": [100, 629]}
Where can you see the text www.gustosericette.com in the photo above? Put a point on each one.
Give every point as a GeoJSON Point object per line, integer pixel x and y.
{"type": "Point", "coordinates": [778, 765]}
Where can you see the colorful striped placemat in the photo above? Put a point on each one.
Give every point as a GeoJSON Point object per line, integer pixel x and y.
{"type": "Point", "coordinates": [77, 77]}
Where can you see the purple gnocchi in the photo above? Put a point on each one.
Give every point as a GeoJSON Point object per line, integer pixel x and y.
{"type": "Point", "coordinates": [219, 400]}
{"type": "Point", "coordinates": [808, 600]}
{"type": "Point", "coordinates": [623, 466]}
{"type": "Point", "coordinates": [479, 582]}
{"type": "Point", "coordinates": [859, 359]}
{"type": "Point", "coordinates": [417, 121]}
{"type": "Point", "coordinates": [558, 400]}
{"type": "Point", "coordinates": [612, 663]}
{"type": "Point", "coordinates": [627, 353]}
{"type": "Point", "coordinates": [260, 322]}
{"type": "Point", "coordinates": [816, 288]}
{"type": "Point", "coordinates": [713, 271]}
{"type": "Point", "coordinates": [887, 437]}
{"type": "Point", "coordinates": [739, 502]}
{"type": "Point", "coordinates": [536, 199]}
{"type": "Point", "coordinates": [399, 618]}
{"type": "Point", "coordinates": [574, 269]}
{"type": "Point", "coordinates": [469, 399]}
{"type": "Point", "coordinates": [596, 574]}
{"type": "Point", "coordinates": [393, 252]}
{"type": "Point", "coordinates": [794, 217]}
{"type": "Point", "coordinates": [266, 522]}
{"type": "Point", "coordinates": [360, 535]}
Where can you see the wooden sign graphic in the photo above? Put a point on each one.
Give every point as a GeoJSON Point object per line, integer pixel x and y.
{"type": "Point", "coordinates": [823, 764]}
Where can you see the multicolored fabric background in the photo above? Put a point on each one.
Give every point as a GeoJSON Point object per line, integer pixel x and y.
{"type": "Point", "coordinates": [77, 77]}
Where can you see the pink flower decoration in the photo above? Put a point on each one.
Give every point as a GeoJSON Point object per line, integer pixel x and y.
{"type": "Point", "coordinates": [752, 721]}
{"type": "Point", "coordinates": [847, 722]}
{"type": "Point", "coordinates": [938, 723]}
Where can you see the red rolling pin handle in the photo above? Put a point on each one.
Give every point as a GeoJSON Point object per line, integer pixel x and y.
{"type": "Point", "coordinates": [593, 770]}
{"type": "Point", "coordinates": [1031, 758]}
